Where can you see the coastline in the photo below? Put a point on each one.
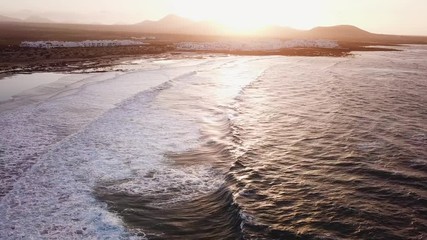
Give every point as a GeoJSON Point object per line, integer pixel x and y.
{"type": "Point", "coordinates": [94, 59]}
{"type": "Point", "coordinates": [25, 60]}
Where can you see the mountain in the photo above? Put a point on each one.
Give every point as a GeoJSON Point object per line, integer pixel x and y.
{"type": "Point", "coordinates": [173, 27]}
{"type": "Point", "coordinates": [340, 32]}
{"type": "Point", "coordinates": [168, 24]}
{"type": "Point", "coordinates": [9, 19]}
{"type": "Point", "coordinates": [38, 19]}
{"type": "Point", "coordinates": [279, 32]}
{"type": "Point", "coordinates": [173, 24]}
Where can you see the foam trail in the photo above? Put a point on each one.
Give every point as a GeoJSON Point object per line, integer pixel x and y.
{"type": "Point", "coordinates": [102, 130]}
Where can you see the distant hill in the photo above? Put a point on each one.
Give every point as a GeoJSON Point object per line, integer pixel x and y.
{"type": "Point", "coordinates": [31, 19]}
{"type": "Point", "coordinates": [173, 24]}
{"type": "Point", "coordinates": [175, 28]}
{"type": "Point", "coordinates": [279, 32]}
{"type": "Point", "coordinates": [170, 23]}
{"type": "Point", "coordinates": [9, 19]}
{"type": "Point", "coordinates": [339, 32]}
{"type": "Point", "coordinates": [38, 19]}
{"type": "Point", "coordinates": [176, 25]}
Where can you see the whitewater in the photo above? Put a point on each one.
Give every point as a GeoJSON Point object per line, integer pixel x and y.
{"type": "Point", "coordinates": [219, 147]}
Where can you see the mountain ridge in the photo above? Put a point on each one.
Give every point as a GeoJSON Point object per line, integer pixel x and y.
{"type": "Point", "coordinates": [174, 24]}
{"type": "Point", "coordinates": [9, 19]}
{"type": "Point", "coordinates": [38, 19]}
{"type": "Point", "coordinates": [29, 19]}
{"type": "Point", "coordinates": [176, 27]}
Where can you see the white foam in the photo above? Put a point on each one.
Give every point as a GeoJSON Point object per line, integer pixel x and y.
{"type": "Point", "coordinates": [11, 86]}
{"type": "Point", "coordinates": [117, 129]}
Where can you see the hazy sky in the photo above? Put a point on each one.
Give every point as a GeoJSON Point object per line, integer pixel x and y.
{"type": "Point", "coordinates": [381, 16]}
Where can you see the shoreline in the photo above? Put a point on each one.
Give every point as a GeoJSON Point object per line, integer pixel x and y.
{"type": "Point", "coordinates": [15, 60]}
{"type": "Point", "coordinates": [26, 60]}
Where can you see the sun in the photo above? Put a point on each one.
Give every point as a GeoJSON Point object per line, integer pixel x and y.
{"type": "Point", "coordinates": [236, 15]}
{"type": "Point", "coordinates": [242, 24]}
{"type": "Point", "coordinates": [243, 16]}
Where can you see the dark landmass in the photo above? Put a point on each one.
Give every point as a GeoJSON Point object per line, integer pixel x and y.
{"type": "Point", "coordinates": [176, 28]}
{"type": "Point", "coordinates": [167, 31]}
{"type": "Point", "coordinates": [182, 26]}
{"type": "Point", "coordinates": [307, 52]}
{"type": "Point", "coordinates": [17, 59]}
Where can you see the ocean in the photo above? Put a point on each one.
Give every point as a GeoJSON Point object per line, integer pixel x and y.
{"type": "Point", "coordinates": [219, 147]}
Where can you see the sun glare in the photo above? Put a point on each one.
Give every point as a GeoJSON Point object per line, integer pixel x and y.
{"type": "Point", "coordinates": [248, 16]}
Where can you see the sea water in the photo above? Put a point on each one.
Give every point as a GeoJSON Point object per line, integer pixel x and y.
{"type": "Point", "coordinates": [221, 147]}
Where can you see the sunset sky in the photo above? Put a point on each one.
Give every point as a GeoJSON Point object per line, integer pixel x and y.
{"type": "Point", "coordinates": [380, 16]}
